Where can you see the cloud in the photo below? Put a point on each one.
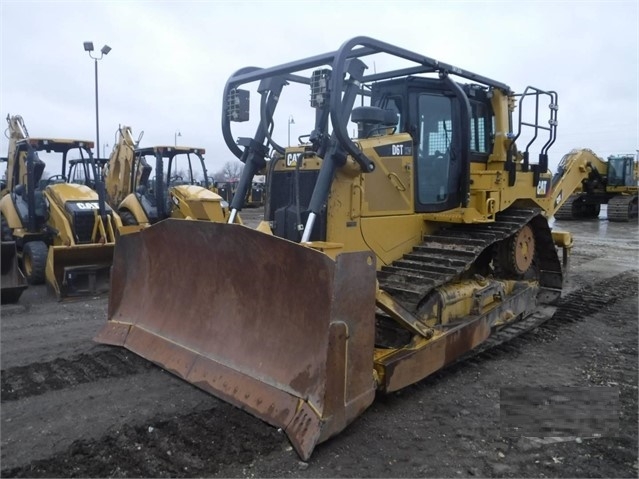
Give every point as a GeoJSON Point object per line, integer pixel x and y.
{"type": "Point", "coordinates": [170, 61]}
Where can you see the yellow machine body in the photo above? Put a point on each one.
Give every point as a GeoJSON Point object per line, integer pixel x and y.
{"type": "Point", "coordinates": [369, 272]}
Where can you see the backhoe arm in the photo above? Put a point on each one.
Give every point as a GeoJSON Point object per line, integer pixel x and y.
{"type": "Point", "coordinates": [16, 131]}
{"type": "Point", "coordinates": [117, 175]}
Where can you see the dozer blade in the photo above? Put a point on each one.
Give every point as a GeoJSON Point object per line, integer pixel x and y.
{"type": "Point", "coordinates": [79, 270]}
{"type": "Point", "coordinates": [13, 281]}
{"type": "Point", "coordinates": [275, 328]}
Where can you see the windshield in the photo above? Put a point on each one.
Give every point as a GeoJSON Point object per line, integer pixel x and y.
{"type": "Point", "coordinates": [51, 165]}
{"type": "Point", "coordinates": [185, 168]}
{"type": "Point", "coordinates": [180, 169]}
{"type": "Point", "coordinates": [620, 171]}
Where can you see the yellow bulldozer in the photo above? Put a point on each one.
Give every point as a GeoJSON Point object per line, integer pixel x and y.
{"type": "Point", "coordinates": [612, 182]}
{"type": "Point", "coordinates": [151, 184]}
{"type": "Point", "coordinates": [225, 188]}
{"type": "Point", "coordinates": [255, 196]}
{"type": "Point", "coordinates": [63, 232]}
{"type": "Point", "coordinates": [381, 258]}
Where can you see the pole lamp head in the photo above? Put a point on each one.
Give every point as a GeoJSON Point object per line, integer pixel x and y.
{"type": "Point", "coordinates": [105, 49]}
{"type": "Point", "coordinates": [88, 46]}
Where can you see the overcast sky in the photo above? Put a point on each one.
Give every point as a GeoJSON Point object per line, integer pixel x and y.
{"type": "Point", "coordinates": [170, 60]}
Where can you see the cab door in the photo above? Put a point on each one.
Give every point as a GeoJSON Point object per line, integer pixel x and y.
{"type": "Point", "coordinates": [437, 158]}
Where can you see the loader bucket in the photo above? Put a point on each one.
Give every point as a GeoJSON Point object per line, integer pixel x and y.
{"type": "Point", "coordinates": [277, 329]}
{"type": "Point", "coordinates": [13, 281]}
{"type": "Point", "coordinates": [79, 270]}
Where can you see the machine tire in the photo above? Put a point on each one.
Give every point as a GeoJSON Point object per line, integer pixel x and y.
{"type": "Point", "coordinates": [7, 234]}
{"type": "Point", "coordinates": [128, 219]}
{"type": "Point", "coordinates": [34, 261]}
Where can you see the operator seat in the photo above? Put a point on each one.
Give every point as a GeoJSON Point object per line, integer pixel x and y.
{"type": "Point", "coordinates": [38, 169]}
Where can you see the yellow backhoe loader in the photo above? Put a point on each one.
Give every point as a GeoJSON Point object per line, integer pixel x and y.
{"type": "Point", "coordinates": [381, 258]}
{"type": "Point", "coordinates": [64, 232]}
{"type": "Point", "coordinates": [612, 182]}
{"type": "Point", "coordinates": [154, 183]}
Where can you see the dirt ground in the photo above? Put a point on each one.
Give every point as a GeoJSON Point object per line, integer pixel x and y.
{"type": "Point", "coordinates": [557, 401]}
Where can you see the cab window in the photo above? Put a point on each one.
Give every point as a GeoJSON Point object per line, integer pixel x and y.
{"type": "Point", "coordinates": [434, 149]}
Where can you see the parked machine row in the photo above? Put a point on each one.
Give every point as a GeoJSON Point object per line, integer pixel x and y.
{"type": "Point", "coordinates": [61, 228]}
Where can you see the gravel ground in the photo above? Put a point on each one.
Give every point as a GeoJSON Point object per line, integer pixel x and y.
{"type": "Point", "coordinates": [557, 401]}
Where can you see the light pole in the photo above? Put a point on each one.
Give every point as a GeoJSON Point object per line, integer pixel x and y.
{"type": "Point", "coordinates": [175, 135]}
{"type": "Point", "coordinates": [88, 47]}
{"type": "Point", "coordinates": [291, 121]}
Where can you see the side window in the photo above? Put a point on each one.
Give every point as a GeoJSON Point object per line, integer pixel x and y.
{"type": "Point", "coordinates": [395, 104]}
{"type": "Point", "coordinates": [479, 137]}
{"type": "Point", "coordinates": [143, 173]}
{"type": "Point", "coordinates": [434, 150]}
{"type": "Point", "coordinates": [78, 175]}
{"type": "Point", "coordinates": [628, 173]}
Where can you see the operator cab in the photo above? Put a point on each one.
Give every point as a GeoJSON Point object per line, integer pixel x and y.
{"type": "Point", "coordinates": [433, 115]}
{"type": "Point", "coordinates": [620, 171]}
{"type": "Point", "coordinates": [27, 194]}
{"type": "Point", "coordinates": [174, 166]}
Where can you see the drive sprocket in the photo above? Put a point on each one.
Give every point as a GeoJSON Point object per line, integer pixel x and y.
{"type": "Point", "coordinates": [516, 254]}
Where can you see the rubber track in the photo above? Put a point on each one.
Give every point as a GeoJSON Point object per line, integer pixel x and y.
{"type": "Point", "coordinates": [39, 378]}
{"type": "Point", "coordinates": [565, 211]}
{"type": "Point", "coordinates": [619, 208]}
{"type": "Point", "coordinates": [446, 254]}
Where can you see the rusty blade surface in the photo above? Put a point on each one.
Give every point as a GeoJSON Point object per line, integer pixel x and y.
{"type": "Point", "coordinates": [270, 326]}
{"type": "Point", "coordinates": [13, 281]}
